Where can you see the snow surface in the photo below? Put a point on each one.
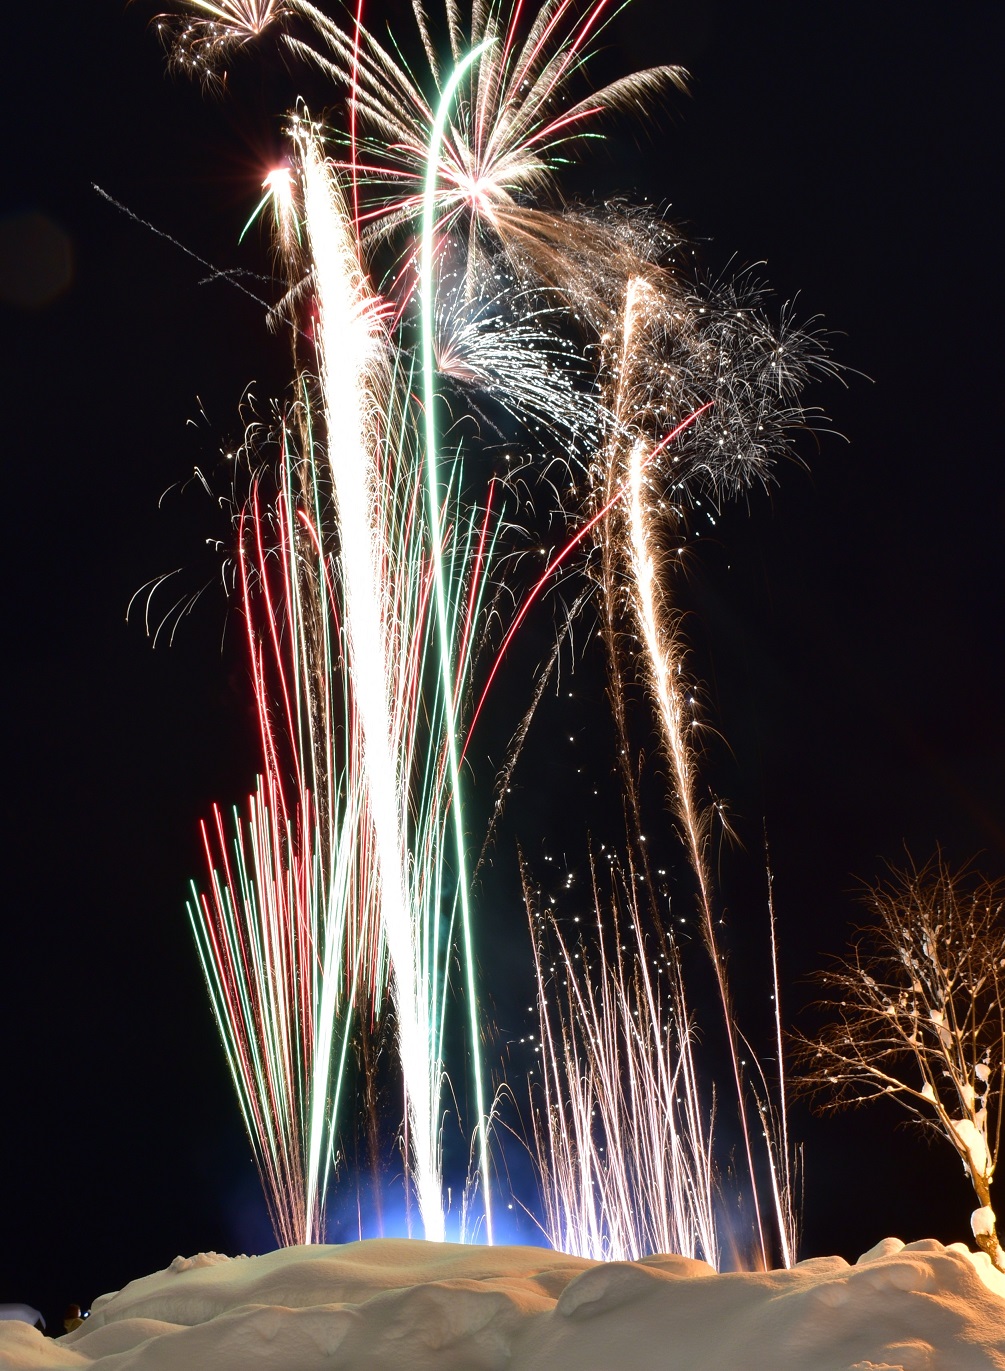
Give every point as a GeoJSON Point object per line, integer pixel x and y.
{"type": "Point", "coordinates": [983, 1220]}
{"type": "Point", "coordinates": [415, 1306]}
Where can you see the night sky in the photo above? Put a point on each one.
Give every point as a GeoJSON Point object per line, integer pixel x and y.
{"type": "Point", "coordinates": [847, 625]}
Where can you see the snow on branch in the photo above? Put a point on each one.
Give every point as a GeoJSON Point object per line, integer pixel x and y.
{"type": "Point", "coordinates": [918, 1015]}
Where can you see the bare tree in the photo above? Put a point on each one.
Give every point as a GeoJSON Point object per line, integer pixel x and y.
{"type": "Point", "coordinates": [920, 1018]}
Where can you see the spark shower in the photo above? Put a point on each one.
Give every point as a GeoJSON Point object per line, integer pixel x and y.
{"type": "Point", "coordinates": [427, 264]}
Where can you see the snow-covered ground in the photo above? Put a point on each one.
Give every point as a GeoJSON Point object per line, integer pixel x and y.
{"type": "Point", "coordinates": [415, 1306]}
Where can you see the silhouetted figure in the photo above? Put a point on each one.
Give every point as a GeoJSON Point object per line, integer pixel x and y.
{"type": "Point", "coordinates": [73, 1318]}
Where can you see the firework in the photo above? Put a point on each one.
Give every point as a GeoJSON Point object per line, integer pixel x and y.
{"type": "Point", "coordinates": [664, 658]}
{"type": "Point", "coordinates": [202, 42]}
{"type": "Point", "coordinates": [282, 948]}
{"type": "Point", "coordinates": [622, 1136]}
{"type": "Point", "coordinates": [380, 594]}
{"type": "Point", "coordinates": [672, 350]}
{"type": "Point", "coordinates": [501, 148]}
{"type": "Point", "coordinates": [300, 921]}
{"type": "Point", "coordinates": [350, 872]}
{"type": "Point", "coordinates": [443, 617]}
{"type": "Point", "coordinates": [505, 346]}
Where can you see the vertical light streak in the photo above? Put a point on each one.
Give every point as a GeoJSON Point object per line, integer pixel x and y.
{"type": "Point", "coordinates": [780, 1155]}
{"type": "Point", "coordinates": [428, 324]}
{"type": "Point", "coordinates": [664, 670]}
{"type": "Point", "coordinates": [623, 1150]}
{"type": "Point", "coordinates": [353, 372]}
{"type": "Point", "coordinates": [274, 935]}
{"type": "Point", "coordinates": [664, 661]}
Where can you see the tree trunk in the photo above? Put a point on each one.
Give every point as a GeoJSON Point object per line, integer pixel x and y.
{"type": "Point", "coordinates": [988, 1242]}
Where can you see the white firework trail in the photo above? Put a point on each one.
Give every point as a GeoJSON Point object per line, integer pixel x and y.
{"type": "Point", "coordinates": [354, 374]}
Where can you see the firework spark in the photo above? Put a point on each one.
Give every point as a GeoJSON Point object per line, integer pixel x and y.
{"type": "Point", "coordinates": [282, 952]}
{"type": "Point", "coordinates": [622, 1137]}
{"type": "Point", "coordinates": [583, 325]}
{"type": "Point", "coordinates": [672, 351]}
{"type": "Point", "coordinates": [202, 42]}
{"type": "Point", "coordinates": [512, 128]}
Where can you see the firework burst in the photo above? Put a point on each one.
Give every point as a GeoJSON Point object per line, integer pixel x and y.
{"type": "Point", "coordinates": [513, 124]}
{"type": "Point", "coordinates": [588, 327]}
{"type": "Point", "coordinates": [201, 41]}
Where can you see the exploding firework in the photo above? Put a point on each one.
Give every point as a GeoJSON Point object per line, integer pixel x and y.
{"type": "Point", "coordinates": [201, 42]}
{"type": "Point", "coordinates": [349, 873]}
{"type": "Point", "coordinates": [670, 352]}
{"type": "Point", "coordinates": [515, 124]}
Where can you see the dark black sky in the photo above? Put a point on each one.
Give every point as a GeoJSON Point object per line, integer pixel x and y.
{"type": "Point", "coordinates": [848, 627]}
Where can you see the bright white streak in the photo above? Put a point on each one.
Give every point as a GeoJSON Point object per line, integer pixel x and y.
{"type": "Point", "coordinates": [664, 661]}
{"type": "Point", "coordinates": [668, 699]}
{"type": "Point", "coordinates": [618, 1065]}
{"type": "Point", "coordinates": [353, 375]}
{"type": "Point", "coordinates": [660, 648]}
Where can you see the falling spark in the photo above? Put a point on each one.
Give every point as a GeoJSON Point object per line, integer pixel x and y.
{"type": "Point", "coordinates": [622, 1137]}
{"type": "Point", "coordinates": [585, 326]}
{"type": "Point", "coordinates": [201, 43]}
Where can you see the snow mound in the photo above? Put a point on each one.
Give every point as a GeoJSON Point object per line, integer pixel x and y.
{"type": "Point", "coordinates": [201, 1259]}
{"type": "Point", "coordinates": [400, 1305]}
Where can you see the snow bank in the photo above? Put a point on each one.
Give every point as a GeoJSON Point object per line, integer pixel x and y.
{"type": "Point", "coordinates": [399, 1305]}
